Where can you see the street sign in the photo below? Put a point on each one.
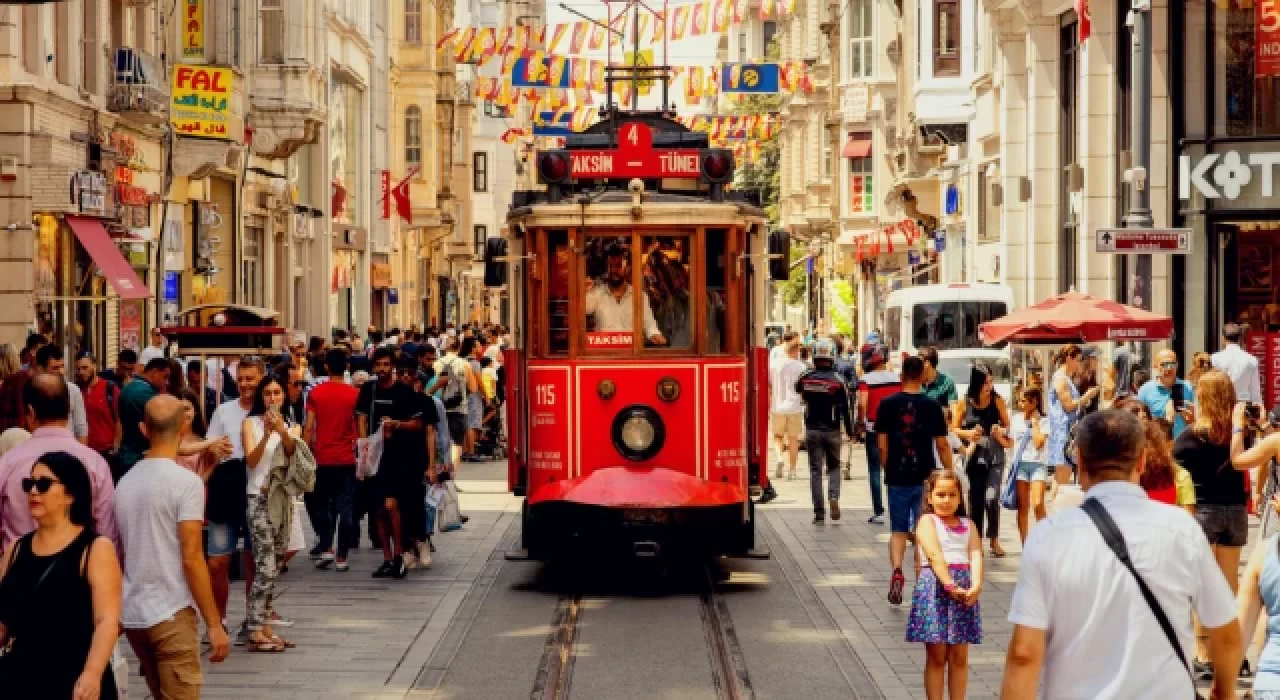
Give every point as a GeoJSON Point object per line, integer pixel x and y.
{"type": "Point", "coordinates": [1173, 241]}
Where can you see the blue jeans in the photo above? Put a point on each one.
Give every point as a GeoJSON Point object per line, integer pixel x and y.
{"type": "Point", "coordinates": [874, 472]}
{"type": "Point", "coordinates": [330, 504]}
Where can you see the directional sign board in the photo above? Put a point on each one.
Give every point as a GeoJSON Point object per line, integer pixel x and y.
{"type": "Point", "coordinates": [1174, 241]}
{"type": "Point", "coordinates": [635, 157]}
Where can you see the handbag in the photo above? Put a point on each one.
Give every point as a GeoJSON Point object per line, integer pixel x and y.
{"type": "Point", "coordinates": [1115, 541]}
{"type": "Point", "coordinates": [1009, 492]}
{"type": "Point", "coordinates": [450, 516]}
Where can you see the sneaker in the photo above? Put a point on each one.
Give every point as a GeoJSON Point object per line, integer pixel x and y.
{"type": "Point", "coordinates": [896, 582]}
{"type": "Point", "coordinates": [424, 555]}
{"type": "Point", "coordinates": [835, 509]}
{"type": "Point", "coordinates": [341, 565]}
{"type": "Point", "coordinates": [316, 554]}
{"type": "Point", "coordinates": [767, 495]}
{"type": "Point", "coordinates": [819, 518]}
{"type": "Point", "coordinates": [848, 474]}
{"type": "Point", "coordinates": [464, 519]}
{"type": "Point", "coordinates": [1245, 671]}
{"type": "Point", "coordinates": [385, 570]}
{"type": "Point", "coordinates": [325, 560]}
{"type": "Point", "coordinates": [1202, 669]}
{"type": "Point", "coordinates": [398, 568]}
{"type": "Point", "coordinates": [877, 519]}
{"type": "Point", "coordinates": [242, 636]}
{"type": "Point", "coordinates": [278, 620]}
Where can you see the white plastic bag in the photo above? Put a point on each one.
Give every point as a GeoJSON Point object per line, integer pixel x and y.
{"type": "Point", "coordinates": [368, 455]}
{"type": "Point", "coordinates": [120, 669]}
{"type": "Point", "coordinates": [450, 517]}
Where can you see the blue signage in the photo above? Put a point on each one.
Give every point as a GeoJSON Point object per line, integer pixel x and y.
{"type": "Point", "coordinates": [940, 240]}
{"type": "Point", "coordinates": [540, 77]}
{"type": "Point", "coordinates": [393, 296]}
{"type": "Point", "coordinates": [755, 78]}
{"type": "Point", "coordinates": [913, 257]}
{"type": "Point", "coordinates": [548, 125]}
{"type": "Point", "coordinates": [170, 286]}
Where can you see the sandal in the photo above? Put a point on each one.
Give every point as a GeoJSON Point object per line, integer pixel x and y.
{"type": "Point", "coordinates": [265, 645]}
{"type": "Point", "coordinates": [282, 642]}
{"type": "Point", "coordinates": [895, 587]}
{"type": "Point", "coordinates": [997, 551]}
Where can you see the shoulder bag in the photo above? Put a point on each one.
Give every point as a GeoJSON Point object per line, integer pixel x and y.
{"type": "Point", "coordinates": [1115, 541]}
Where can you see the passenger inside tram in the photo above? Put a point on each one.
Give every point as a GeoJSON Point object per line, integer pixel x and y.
{"type": "Point", "coordinates": [609, 300]}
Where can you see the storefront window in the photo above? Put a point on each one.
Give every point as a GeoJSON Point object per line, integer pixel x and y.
{"type": "Point", "coordinates": [1248, 71]}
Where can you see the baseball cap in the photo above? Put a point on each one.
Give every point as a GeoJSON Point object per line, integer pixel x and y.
{"type": "Point", "coordinates": [1089, 352]}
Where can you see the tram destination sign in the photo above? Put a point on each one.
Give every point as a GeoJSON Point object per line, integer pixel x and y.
{"type": "Point", "coordinates": [635, 156]}
{"type": "Point", "coordinates": [1173, 241]}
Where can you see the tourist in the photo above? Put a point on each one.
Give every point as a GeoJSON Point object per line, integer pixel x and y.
{"type": "Point", "coordinates": [331, 432]}
{"type": "Point", "coordinates": [1030, 434]}
{"type": "Point", "coordinates": [876, 384]}
{"type": "Point", "coordinates": [982, 419]}
{"type": "Point", "coordinates": [1064, 409]}
{"type": "Point", "coordinates": [1169, 397]}
{"type": "Point", "coordinates": [826, 408]}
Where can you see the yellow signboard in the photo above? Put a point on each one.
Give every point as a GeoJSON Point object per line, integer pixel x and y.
{"type": "Point", "coordinates": [202, 102]}
{"type": "Point", "coordinates": [192, 26]}
{"type": "Point", "coordinates": [645, 60]}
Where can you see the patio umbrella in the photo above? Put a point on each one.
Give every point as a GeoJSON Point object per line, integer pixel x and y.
{"type": "Point", "coordinates": [1077, 318]}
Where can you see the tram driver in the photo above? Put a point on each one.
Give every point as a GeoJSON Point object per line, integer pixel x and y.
{"type": "Point", "coordinates": [611, 303]}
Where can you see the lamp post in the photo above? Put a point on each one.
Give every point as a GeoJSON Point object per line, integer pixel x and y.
{"type": "Point", "coordinates": [1139, 216]}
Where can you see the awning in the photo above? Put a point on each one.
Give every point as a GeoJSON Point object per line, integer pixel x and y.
{"type": "Point", "coordinates": [856, 148]}
{"type": "Point", "coordinates": [107, 256]}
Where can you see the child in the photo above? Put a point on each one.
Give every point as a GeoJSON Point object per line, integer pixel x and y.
{"type": "Point", "coordinates": [944, 607]}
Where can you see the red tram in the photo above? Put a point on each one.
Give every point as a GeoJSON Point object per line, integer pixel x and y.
{"type": "Point", "coordinates": [637, 377]}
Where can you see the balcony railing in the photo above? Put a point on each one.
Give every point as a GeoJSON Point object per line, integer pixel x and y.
{"type": "Point", "coordinates": [138, 86]}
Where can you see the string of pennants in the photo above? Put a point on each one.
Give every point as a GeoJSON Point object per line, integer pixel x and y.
{"type": "Point", "coordinates": [687, 21]}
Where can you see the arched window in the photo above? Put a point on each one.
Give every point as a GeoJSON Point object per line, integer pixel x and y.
{"type": "Point", "coordinates": [413, 136]}
{"type": "Point", "coordinates": [413, 21]}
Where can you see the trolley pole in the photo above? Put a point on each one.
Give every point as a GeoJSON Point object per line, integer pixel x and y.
{"type": "Point", "coordinates": [1139, 216]}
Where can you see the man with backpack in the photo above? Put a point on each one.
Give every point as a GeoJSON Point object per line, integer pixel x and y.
{"type": "Point", "coordinates": [101, 410]}
{"type": "Point", "coordinates": [456, 384]}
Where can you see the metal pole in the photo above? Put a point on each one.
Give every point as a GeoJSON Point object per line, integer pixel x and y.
{"type": "Point", "coordinates": [1139, 216]}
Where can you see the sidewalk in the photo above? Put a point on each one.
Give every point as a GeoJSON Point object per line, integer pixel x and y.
{"type": "Point", "coordinates": [359, 637]}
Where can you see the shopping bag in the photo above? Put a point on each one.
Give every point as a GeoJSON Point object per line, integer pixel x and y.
{"type": "Point", "coordinates": [120, 669]}
{"type": "Point", "coordinates": [1009, 493]}
{"type": "Point", "coordinates": [431, 506]}
{"type": "Point", "coordinates": [368, 455]}
{"type": "Point", "coordinates": [450, 516]}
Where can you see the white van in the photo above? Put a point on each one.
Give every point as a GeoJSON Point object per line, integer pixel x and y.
{"type": "Point", "coordinates": [946, 316]}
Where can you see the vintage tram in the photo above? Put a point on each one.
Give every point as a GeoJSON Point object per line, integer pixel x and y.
{"type": "Point", "coordinates": [637, 376]}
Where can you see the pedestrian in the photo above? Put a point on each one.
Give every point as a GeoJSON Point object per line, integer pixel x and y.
{"type": "Point", "coordinates": [101, 408]}
{"type": "Point", "coordinates": [392, 407]}
{"type": "Point", "coordinates": [1085, 625]}
{"type": "Point", "coordinates": [945, 615]}
{"type": "Point", "coordinates": [1206, 449]}
{"type": "Point", "coordinates": [1239, 365]}
{"type": "Point", "coordinates": [48, 412]}
{"type": "Point", "coordinates": [982, 420]}
{"type": "Point", "coordinates": [227, 504]}
{"type": "Point", "coordinates": [456, 383]}
{"type": "Point", "coordinates": [155, 349]}
{"type": "Point", "coordinates": [876, 384]}
{"type": "Point", "coordinates": [1202, 362]}
{"type": "Point", "coordinates": [133, 402]}
{"type": "Point", "coordinates": [1169, 397]}
{"type": "Point", "coordinates": [470, 351]}
{"type": "Point", "coordinates": [787, 407]}
{"type": "Point", "coordinates": [911, 433]}
{"type": "Point", "coordinates": [826, 408]}
{"type": "Point", "coordinates": [122, 373]}
{"type": "Point", "coordinates": [411, 475]}
{"type": "Point", "coordinates": [50, 360]}
{"type": "Point", "coordinates": [161, 506]}
{"type": "Point", "coordinates": [1086, 378]}
{"type": "Point", "coordinates": [209, 404]}
{"type": "Point", "coordinates": [1260, 594]}
{"type": "Point", "coordinates": [1116, 379]}
{"type": "Point", "coordinates": [269, 441]}
{"type": "Point", "coordinates": [331, 432]}
{"type": "Point", "coordinates": [1162, 478]}
{"type": "Point", "coordinates": [59, 591]}
{"type": "Point", "coordinates": [937, 385]}
{"type": "Point", "coordinates": [1065, 402]}
{"type": "Point", "coordinates": [1029, 432]}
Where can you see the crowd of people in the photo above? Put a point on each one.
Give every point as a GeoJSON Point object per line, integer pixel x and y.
{"type": "Point", "coordinates": [1138, 592]}
{"type": "Point", "coordinates": [126, 494]}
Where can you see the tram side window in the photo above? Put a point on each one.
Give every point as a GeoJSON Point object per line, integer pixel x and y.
{"type": "Point", "coordinates": [609, 302]}
{"type": "Point", "coordinates": [667, 286]}
{"type": "Point", "coordinates": [717, 299]}
{"type": "Point", "coordinates": [558, 291]}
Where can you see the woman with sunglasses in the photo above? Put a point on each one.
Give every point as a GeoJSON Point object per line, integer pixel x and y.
{"type": "Point", "coordinates": [59, 592]}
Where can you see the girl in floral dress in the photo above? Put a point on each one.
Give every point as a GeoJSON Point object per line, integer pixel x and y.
{"type": "Point", "coordinates": [944, 607]}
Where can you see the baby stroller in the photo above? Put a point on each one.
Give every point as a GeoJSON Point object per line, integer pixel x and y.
{"type": "Point", "coordinates": [492, 443]}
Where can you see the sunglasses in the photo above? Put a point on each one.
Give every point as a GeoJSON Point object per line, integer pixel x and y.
{"type": "Point", "coordinates": [1168, 365]}
{"type": "Point", "coordinates": [42, 484]}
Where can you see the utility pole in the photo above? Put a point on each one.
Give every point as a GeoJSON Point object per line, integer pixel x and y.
{"type": "Point", "coordinates": [1139, 216]}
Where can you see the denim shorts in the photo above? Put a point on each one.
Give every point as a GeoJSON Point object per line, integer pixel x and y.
{"type": "Point", "coordinates": [1227, 526]}
{"type": "Point", "coordinates": [1031, 471]}
{"type": "Point", "coordinates": [220, 539]}
{"type": "Point", "coordinates": [904, 507]}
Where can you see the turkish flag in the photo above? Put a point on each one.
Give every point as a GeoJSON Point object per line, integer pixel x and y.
{"type": "Point", "coordinates": [401, 196]}
{"type": "Point", "coordinates": [338, 201]}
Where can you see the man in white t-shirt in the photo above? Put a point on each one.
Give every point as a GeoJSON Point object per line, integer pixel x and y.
{"type": "Point", "coordinates": [1082, 626]}
{"type": "Point", "coordinates": [159, 510]}
{"type": "Point", "coordinates": [154, 350]}
{"type": "Point", "coordinates": [786, 408]}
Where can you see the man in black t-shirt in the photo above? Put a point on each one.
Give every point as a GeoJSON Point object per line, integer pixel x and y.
{"type": "Point", "coordinates": [911, 432]}
{"type": "Point", "coordinates": [398, 411]}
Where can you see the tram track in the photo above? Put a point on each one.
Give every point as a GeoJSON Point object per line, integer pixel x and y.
{"type": "Point", "coordinates": [729, 679]}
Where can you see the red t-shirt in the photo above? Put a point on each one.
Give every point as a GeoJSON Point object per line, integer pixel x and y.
{"type": "Point", "coordinates": [334, 406]}
{"type": "Point", "coordinates": [100, 410]}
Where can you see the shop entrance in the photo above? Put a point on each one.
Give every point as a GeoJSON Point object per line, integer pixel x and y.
{"type": "Point", "coordinates": [1250, 260]}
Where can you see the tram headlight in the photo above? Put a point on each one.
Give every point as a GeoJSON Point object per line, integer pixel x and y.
{"type": "Point", "coordinates": [638, 433]}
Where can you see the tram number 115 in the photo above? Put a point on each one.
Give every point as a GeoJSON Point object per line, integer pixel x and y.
{"type": "Point", "coordinates": [544, 394]}
{"type": "Point", "coordinates": [731, 392]}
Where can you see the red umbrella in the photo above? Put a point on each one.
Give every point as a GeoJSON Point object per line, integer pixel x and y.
{"type": "Point", "coordinates": [1079, 318]}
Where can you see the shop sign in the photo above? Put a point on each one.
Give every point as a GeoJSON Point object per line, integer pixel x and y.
{"type": "Point", "coordinates": [854, 101]}
{"type": "Point", "coordinates": [1225, 175]}
{"type": "Point", "coordinates": [1143, 240]}
{"type": "Point", "coordinates": [89, 192]}
{"type": "Point", "coordinates": [1267, 38]}
{"type": "Point", "coordinates": [202, 101]}
{"type": "Point", "coordinates": [393, 296]}
{"type": "Point", "coordinates": [131, 324]}
{"type": "Point", "coordinates": [193, 26]}
{"type": "Point", "coordinates": [380, 275]}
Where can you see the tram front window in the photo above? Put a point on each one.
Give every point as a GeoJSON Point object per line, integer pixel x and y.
{"type": "Point", "coordinates": [667, 287]}
{"type": "Point", "coordinates": [610, 297]}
